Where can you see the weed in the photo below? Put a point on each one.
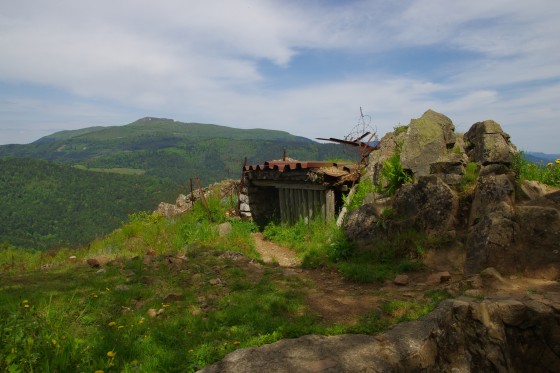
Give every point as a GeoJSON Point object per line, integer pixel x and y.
{"type": "Point", "coordinates": [397, 130]}
{"type": "Point", "coordinates": [318, 242]}
{"type": "Point", "coordinates": [547, 174]}
{"type": "Point", "coordinates": [393, 174]}
{"type": "Point", "coordinates": [362, 189]}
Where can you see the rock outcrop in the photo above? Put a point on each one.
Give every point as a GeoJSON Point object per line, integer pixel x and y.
{"type": "Point", "coordinates": [501, 333]}
{"type": "Point", "coordinates": [185, 203]}
{"type": "Point", "coordinates": [429, 205]}
{"type": "Point", "coordinates": [488, 144]}
{"type": "Point", "coordinates": [427, 141]}
{"type": "Point", "coordinates": [499, 222]}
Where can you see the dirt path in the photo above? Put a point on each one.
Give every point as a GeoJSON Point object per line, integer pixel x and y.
{"type": "Point", "coordinates": [333, 298]}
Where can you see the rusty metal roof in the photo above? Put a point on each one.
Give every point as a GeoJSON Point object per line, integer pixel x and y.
{"type": "Point", "coordinates": [283, 166]}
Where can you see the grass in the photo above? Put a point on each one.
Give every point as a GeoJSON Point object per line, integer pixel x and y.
{"type": "Point", "coordinates": [548, 174]}
{"type": "Point", "coordinates": [323, 244]}
{"type": "Point", "coordinates": [395, 311]}
{"type": "Point", "coordinates": [59, 315]}
{"type": "Point", "coordinates": [319, 243]}
{"type": "Point", "coordinates": [362, 189]}
{"type": "Point", "coordinates": [114, 170]}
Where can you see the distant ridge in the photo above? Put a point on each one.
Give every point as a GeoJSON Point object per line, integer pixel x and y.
{"type": "Point", "coordinates": [172, 150]}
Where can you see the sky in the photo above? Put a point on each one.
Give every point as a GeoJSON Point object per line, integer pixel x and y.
{"type": "Point", "coordinates": [302, 66]}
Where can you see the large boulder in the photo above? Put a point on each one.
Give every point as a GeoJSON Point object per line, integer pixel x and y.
{"type": "Point", "coordinates": [427, 141]}
{"type": "Point", "coordinates": [487, 143]}
{"type": "Point", "coordinates": [514, 237]}
{"type": "Point", "coordinates": [362, 223]}
{"type": "Point", "coordinates": [429, 205]}
{"type": "Point", "coordinates": [465, 335]}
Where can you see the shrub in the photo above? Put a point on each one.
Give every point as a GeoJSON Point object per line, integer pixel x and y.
{"type": "Point", "coordinates": [393, 173]}
{"type": "Point", "coordinates": [547, 174]}
{"type": "Point", "coordinates": [362, 189]}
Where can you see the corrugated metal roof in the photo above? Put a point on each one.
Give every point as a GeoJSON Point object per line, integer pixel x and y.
{"type": "Point", "coordinates": [283, 166]}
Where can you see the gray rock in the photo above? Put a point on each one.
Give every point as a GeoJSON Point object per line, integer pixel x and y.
{"type": "Point", "coordinates": [224, 229]}
{"type": "Point", "coordinates": [427, 141]}
{"type": "Point", "coordinates": [429, 205]}
{"type": "Point", "coordinates": [488, 143]}
{"type": "Point", "coordinates": [361, 224]}
{"type": "Point", "coordinates": [401, 280]}
{"type": "Point", "coordinates": [461, 335]}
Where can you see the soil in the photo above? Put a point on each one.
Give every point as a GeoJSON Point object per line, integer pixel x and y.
{"type": "Point", "coordinates": [333, 298]}
{"type": "Point", "coordinates": [337, 300]}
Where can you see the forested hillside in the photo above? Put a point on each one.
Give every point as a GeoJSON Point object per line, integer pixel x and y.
{"type": "Point", "coordinates": [43, 204]}
{"type": "Point", "coordinates": [138, 165]}
{"type": "Point", "coordinates": [172, 150]}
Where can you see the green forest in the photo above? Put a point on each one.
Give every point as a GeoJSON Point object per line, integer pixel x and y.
{"type": "Point", "coordinates": [174, 151]}
{"type": "Point", "coordinates": [44, 204]}
{"type": "Point", "coordinates": [69, 187]}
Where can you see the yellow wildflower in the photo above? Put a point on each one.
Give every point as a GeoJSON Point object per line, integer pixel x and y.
{"type": "Point", "coordinates": [141, 321]}
{"type": "Point", "coordinates": [99, 371]}
{"type": "Point", "coordinates": [112, 323]}
{"type": "Point", "coordinates": [26, 305]}
{"type": "Point", "coordinates": [25, 301]}
{"type": "Point", "coordinates": [111, 353]}
{"type": "Point", "coordinates": [236, 343]}
{"type": "Point", "coordinates": [558, 161]}
{"type": "Point", "coordinates": [53, 341]}
{"type": "Point", "coordinates": [549, 164]}
{"type": "Point", "coordinates": [120, 327]}
{"type": "Point", "coordinates": [134, 362]}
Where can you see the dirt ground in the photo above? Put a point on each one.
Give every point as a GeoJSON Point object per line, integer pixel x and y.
{"type": "Point", "coordinates": [337, 300]}
{"type": "Point", "coordinates": [332, 297]}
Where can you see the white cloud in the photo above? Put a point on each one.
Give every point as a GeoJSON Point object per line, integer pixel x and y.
{"type": "Point", "coordinates": [202, 61]}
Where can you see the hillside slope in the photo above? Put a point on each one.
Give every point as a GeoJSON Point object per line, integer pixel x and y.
{"type": "Point", "coordinates": [173, 150]}
{"type": "Point", "coordinates": [45, 204]}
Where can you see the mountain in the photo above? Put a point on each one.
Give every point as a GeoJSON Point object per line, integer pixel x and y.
{"type": "Point", "coordinates": [61, 202]}
{"type": "Point", "coordinates": [536, 157]}
{"type": "Point", "coordinates": [171, 150]}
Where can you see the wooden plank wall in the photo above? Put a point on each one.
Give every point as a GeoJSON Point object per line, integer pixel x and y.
{"type": "Point", "coordinates": [296, 204]}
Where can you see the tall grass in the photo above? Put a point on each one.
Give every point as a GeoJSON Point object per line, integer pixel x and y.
{"type": "Point", "coordinates": [545, 173]}
{"type": "Point", "coordinates": [323, 244]}
{"type": "Point", "coordinates": [319, 243]}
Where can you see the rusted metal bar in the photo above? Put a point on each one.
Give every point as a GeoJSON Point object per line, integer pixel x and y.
{"type": "Point", "coordinates": [352, 143]}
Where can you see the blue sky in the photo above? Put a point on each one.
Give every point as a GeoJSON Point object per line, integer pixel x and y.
{"type": "Point", "coordinates": [305, 67]}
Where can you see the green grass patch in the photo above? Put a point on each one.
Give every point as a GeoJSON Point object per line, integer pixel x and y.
{"type": "Point", "coordinates": [362, 189]}
{"type": "Point", "coordinates": [319, 243]}
{"type": "Point", "coordinates": [548, 174]}
{"type": "Point", "coordinates": [114, 170]}
{"type": "Point", "coordinates": [71, 317]}
{"type": "Point", "coordinates": [393, 175]}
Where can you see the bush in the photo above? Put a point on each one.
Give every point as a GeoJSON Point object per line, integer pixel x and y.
{"type": "Point", "coordinates": [362, 189]}
{"type": "Point", "coordinates": [393, 173]}
{"type": "Point", "coordinates": [547, 174]}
